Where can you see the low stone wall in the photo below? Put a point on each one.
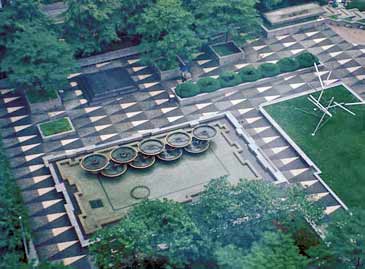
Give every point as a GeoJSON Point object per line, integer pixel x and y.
{"type": "Point", "coordinates": [227, 59]}
{"type": "Point", "coordinates": [348, 24]}
{"type": "Point", "coordinates": [264, 81]}
{"type": "Point", "coordinates": [56, 136]}
{"type": "Point", "coordinates": [291, 29]}
{"type": "Point", "coordinates": [108, 56]}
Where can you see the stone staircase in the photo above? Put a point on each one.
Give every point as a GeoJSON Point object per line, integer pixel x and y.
{"type": "Point", "coordinates": [348, 16]}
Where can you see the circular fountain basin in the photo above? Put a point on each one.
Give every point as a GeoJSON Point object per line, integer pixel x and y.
{"type": "Point", "coordinates": [143, 161]}
{"type": "Point", "coordinates": [123, 154]}
{"type": "Point", "coordinates": [151, 147]}
{"type": "Point", "coordinates": [114, 170]}
{"type": "Point", "coordinates": [197, 146]}
{"type": "Point", "coordinates": [94, 162]}
{"type": "Point", "coordinates": [170, 154]}
{"type": "Point", "coordinates": [204, 132]}
{"type": "Point", "coordinates": [179, 139]}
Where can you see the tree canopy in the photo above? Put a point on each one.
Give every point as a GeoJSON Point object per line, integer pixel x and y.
{"type": "Point", "coordinates": [35, 65]}
{"type": "Point", "coordinates": [344, 242]}
{"type": "Point", "coordinates": [90, 24]}
{"type": "Point", "coordinates": [223, 224]}
{"type": "Point", "coordinates": [214, 17]}
{"type": "Point", "coordinates": [166, 31]}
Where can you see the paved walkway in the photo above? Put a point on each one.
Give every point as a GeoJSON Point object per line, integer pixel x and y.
{"type": "Point", "coordinates": [150, 108]}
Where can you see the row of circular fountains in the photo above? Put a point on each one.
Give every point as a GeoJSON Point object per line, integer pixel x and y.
{"type": "Point", "coordinates": [148, 150]}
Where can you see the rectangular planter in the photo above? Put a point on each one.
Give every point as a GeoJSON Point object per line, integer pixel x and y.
{"type": "Point", "coordinates": [41, 107]}
{"type": "Point", "coordinates": [56, 136]}
{"type": "Point", "coordinates": [291, 29]}
{"type": "Point", "coordinates": [169, 74]}
{"type": "Point", "coordinates": [200, 97]}
{"type": "Point", "coordinates": [235, 57]}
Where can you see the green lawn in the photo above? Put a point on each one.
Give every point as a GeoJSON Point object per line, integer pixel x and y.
{"type": "Point", "coordinates": [55, 127]}
{"type": "Point", "coordinates": [338, 149]}
{"type": "Point", "coordinates": [360, 4]}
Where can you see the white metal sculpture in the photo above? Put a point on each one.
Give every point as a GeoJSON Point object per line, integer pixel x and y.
{"type": "Point", "coordinates": [327, 107]}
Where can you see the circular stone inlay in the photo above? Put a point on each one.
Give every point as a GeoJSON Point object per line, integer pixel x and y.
{"type": "Point", "coordinates": [170, 154]}
{"type": "Point", "coordinates": [179, 139]}
{"type": "Point", "coordinates": [197, 146]}
{"type": "Point", "coordinates": [204, 132]}
{"type": "Point", "coordinates": [151, 146]}
{"type": "Point", "coordinates": [114, 170]}
{"type": "Point", "coordinates": [123, 154]}
{"type": "Point", "coordinates": [94, 162]}
{"type": "Point", "coordinates": [140, 192]}
{"type": "Point", "coordinates": [142, 161]}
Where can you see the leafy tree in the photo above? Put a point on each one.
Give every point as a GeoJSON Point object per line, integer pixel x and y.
{"type": "Point", "coordinates": [275, 251]}
{"type": "Point", "coordinates": [230, 257]}
{"type": "Point", "coordinates": [166, 30]}
{"type": "Point", "coordinates": [154, 232]}
{"type": "Point", "coordinates": [90, 25]}
{"type": "Point", "coordinates": [35, 65]}
{"type": "Point", "coordinates": [14, 16]}
{"type": "Point", "coordinates": [214, 17]}
{"type": "Point", "coordinates": [130, 14]}
{"type": "Point", "coordinates": [240, 214]}
{"type": "Point", "coordinates": [344, 241]}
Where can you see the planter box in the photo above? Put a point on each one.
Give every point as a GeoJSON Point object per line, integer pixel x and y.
{"type": "Point", "coordinates": [291, 29]}
{"type": "Point", "coordinates": [171, 73]}
{"type": "Point", "coordinates": [264, 81]}
{"type": "Point", "coordinates": [56, 136]}
{"type": "Point", "coordinates": [236, 55]}
{"type": "Point", "coordinates": [41, 107]}
{"type": "Point", "coordinates": [168, 74]}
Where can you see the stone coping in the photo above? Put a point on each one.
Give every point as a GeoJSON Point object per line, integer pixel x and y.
{"type": "Point", "coordinates": [58, 135]}
{"type": "Point", "coordinates": [50, 160]}
{"type": "Point", "coordinates": [242, 86]}
{"type": "Point", "coordinates": [302, 154]}
{"type": "Point", "coordinates": [301, 12]}
{"type": "Point", "coordinates": [290, 29]}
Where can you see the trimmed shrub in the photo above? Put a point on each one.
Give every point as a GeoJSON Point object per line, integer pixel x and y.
{"type": "Point", "coordinates": [288, 64]}
{"type": "Point", "coordinates": [229, 79]}
{"type": "Point", "coordinates": [208, 84]}
{"type": "Point", "coordinates": [269, 69]}
{"type": "Point", "coordinates": [187, 89]}
{"type": "Point", "coordinates": [249, 73]}
{"type": "Point", "coordinates": [307, 59]}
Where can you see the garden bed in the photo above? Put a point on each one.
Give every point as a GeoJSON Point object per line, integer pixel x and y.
{"type": "Point", "coordinates": [56, 129]}
{"type": "Point", "coordinates": [167, 72]}
{"type": "Point", "coordinates": [226, 52]}
{"type": "Point", "coordinates": [249, 74]}
{"type": "Point", "coordinates": [41, 102]}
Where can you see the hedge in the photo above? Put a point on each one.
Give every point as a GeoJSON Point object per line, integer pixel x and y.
{"type": "Point", "coordinates": [208, 84]}
{"type": "Point", "coordinates": [249, 73]}
{"type": "Point", "coordinates": [187, 89]}
{"type": "Point", "coordinates": [246, 74]}
{"type": "Point", "coordinates": [269, 69]}
{"type": "Point", "coordinates": [11, 207]}
{"type": "Point", "coordinates": [229, 79]}
{"type": "Point", "coordinates": [307, 59]}
{"type": "Point", "coordinates": [288, 64]}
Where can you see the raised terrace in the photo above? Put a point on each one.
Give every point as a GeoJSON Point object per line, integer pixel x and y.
{"type": "Point", "coordinates": [292, 14]}
{"type": "Point", "coordinates": [100, 199]}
